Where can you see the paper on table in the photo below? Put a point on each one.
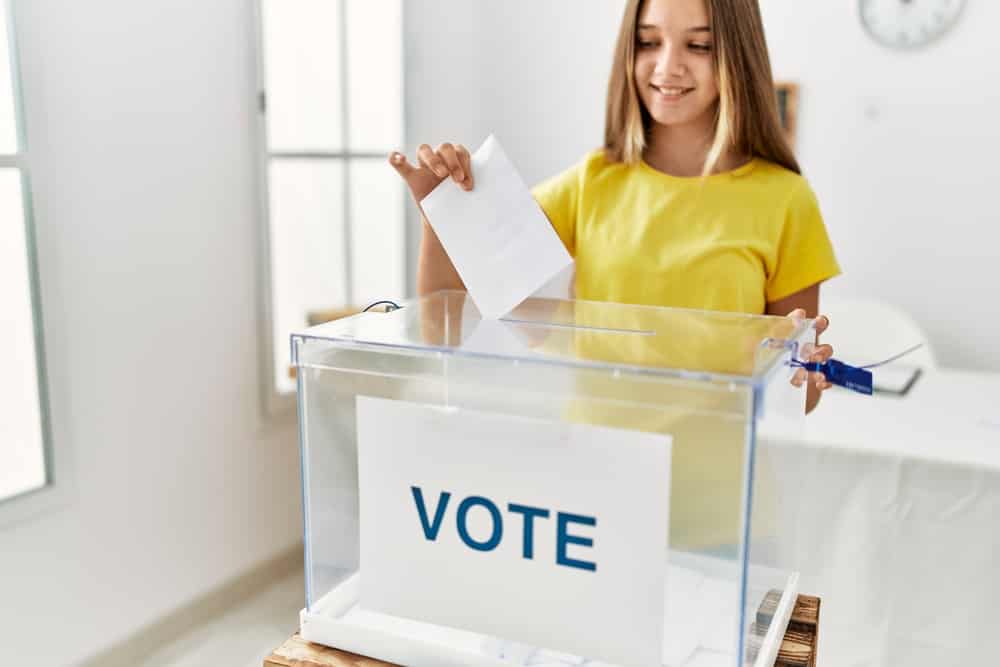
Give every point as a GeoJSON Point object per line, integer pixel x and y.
{"type": "Point", "coordinates": [498, 238]}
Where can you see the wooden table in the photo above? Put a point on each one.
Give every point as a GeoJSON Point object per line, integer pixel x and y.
{"type": "Point", "coordinates": [798, 648]}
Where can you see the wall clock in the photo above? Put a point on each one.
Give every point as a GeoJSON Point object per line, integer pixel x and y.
{"type": "Point", "coordinates": [908, 24]}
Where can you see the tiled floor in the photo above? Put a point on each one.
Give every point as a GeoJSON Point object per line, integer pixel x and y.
{"type": "Point", "coordinates": [243, 636]}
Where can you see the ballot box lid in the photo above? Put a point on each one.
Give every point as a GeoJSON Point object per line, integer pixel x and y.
{"type": "Point", "coordinates": [696, 345]}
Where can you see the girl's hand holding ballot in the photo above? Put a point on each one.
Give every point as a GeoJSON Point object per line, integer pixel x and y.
{"type": "Point", "coordinates": [447, 161]}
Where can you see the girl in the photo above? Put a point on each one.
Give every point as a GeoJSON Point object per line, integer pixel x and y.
{"type": "Point", "coordinates": [695, 199]}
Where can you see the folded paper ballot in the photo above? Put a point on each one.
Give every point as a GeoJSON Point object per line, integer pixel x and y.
{"type": "Point", "coordinates": [497, 236]}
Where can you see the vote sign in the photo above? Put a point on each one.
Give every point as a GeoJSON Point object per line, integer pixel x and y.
{"type": "Point", "coordinates": [542, 532]}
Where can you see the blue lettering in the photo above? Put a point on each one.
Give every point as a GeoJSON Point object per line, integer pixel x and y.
{"type": "Point", "coordinates": [430, 531]}
{"type": "Point", "coordinates": [529, 521]}
{"type": "Point", "coordinates": [432, 527]}
{"type": "Point", "coordinates": [563, 538]}
{"type": "Point", "coordinates": [463, 509]}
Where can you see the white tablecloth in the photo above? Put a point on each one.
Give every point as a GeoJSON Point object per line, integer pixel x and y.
{"type": "Point", "coordinates": [893, 505]}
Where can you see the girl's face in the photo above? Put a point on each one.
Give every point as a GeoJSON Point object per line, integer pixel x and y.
{"type": "Point", "coordinates": [674, 69]}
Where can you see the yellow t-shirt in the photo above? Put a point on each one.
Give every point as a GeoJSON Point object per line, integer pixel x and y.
{"type": "Point", "coordinates": [732, 241]}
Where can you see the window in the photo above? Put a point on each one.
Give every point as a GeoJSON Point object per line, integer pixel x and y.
{"type": "Point", "coordinates": [23, 461]}
{"type": "Point", "coordinates": [331, 104]}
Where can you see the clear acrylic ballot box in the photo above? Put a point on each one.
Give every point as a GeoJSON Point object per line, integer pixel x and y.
{"type": "Point", "coordinates": [575, 483]}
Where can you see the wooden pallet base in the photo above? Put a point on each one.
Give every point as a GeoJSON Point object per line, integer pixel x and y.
{"type": "Point", "coordinates": [297, 652]}
{"type": "Point", "coordinates": [798, 648]}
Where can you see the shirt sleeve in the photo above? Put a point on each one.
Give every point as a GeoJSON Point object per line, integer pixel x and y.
{"type": "Point", "coordinates": [559, 198]}
{"type": "Point", "coordinates": [804, 253]}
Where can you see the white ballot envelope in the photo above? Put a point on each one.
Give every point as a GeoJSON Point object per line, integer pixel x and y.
{"type": "Point", "coordinates": [497, 236]}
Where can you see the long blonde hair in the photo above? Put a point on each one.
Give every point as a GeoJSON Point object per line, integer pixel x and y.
{"type": "Point", "coordinates": [747, 120]}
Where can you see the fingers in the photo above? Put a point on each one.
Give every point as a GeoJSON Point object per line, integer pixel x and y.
{"type": "Point", "coordinates": [815, 353]}
{"type": "Point", "coordinates": [821, 353]}
{"type": "Point", "coordinates": [466, 161]}
{"type": "Point", "coordinates": [400, 164]}
{"type": "Point", "coordinates": [801, 376]}
{"type": "Point", "coordinates": [448, 160]}
{"type": "Point", "coordinates": [430, 159]}
{"type": "Point", "coordinates": [449, 153]}
{"type": "Point", "coordinates": [784, 327]}
{"type": "Point", "coordinates": [450, 157]}
{"type": "Point", "coordinates": [820, 381]}
{"type": "Point", "coordinates": [420, 180]}
{"type": "Point", "coordinates": [822, 322]}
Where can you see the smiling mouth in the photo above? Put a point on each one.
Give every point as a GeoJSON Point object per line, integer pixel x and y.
{"type": "Point", "coordinates": [671, 92]}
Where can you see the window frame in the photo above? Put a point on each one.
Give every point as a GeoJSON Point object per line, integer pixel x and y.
{"type": "Point", "coordinates": [275, 403]}
{"type": "Point", "coordinates": [59, 484]}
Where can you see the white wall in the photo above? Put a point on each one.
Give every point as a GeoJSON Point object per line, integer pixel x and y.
{"type": "Point", "coordinates": [141, 127]}
{"type": "Point", "coordinates": [899, 147]}
{"type": "Point", "coordinates": [533, 73]}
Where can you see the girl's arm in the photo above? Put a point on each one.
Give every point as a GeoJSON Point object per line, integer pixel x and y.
{"type": "Point", "coordinates": [805, 303]}
{"type": "Point", "coordinates": [434, 268]}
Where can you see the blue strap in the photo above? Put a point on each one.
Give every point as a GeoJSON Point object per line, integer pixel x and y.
{"type": "Point", "coordinates": [855, 378]}
{"type": "Point", "coordinates": [840, 374]}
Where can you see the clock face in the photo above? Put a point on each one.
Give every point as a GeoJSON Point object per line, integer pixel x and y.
{"type": "Point", "coordinates": [908, 24]}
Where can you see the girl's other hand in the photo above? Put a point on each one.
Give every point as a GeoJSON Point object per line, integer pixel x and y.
{"type": "Point", "coordinates": [816, 353]}
{"type": "Point", "coordinates": [433, 166]}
